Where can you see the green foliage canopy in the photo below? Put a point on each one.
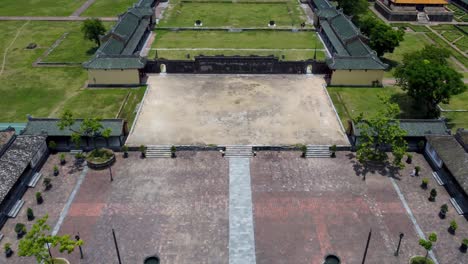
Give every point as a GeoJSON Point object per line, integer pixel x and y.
{"type": "Point", "coordinates": [383, 38]}
{"type": "Point", "coordinates": [92, 28]}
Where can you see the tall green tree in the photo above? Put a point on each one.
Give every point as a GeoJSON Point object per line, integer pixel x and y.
{"type": "Point", "coordinates": [426, 76]}
{"type": "Point", "coordinates": [380, 132]}
{"type": "Point", "coordinates": [382, 37]}
{"type": "Point", "coordinates": [37, 241]}
{"type": "Point", "coordinates": [353, 8]}
{"type": "Point", "coordinates": [89, 128]}
{"type": "Point", "coordinates": [92, 29]}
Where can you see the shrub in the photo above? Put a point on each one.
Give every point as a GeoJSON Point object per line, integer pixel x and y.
{"type": "Point", "coordinates": [47, 183]}
{"type": "Point", "coordinates": [465, 241]}
{"type": "Point", "coordinates": [453, 226]}
{"type": "Point", "coordinates": [143, 151]}
{"type": "Point", "coordinates": [52, 145]}
{"type": "Point", "coordinates": [421, 145]}
{"type": "Point", "coordinates": [417, 169]}
{"type": "Point", "coordinates": [409, 158]}
{"type": "Point", "coordinates": [20, 229]}
{"type": "Point", "coordinates": [333, 150]}
{"type": "Point", "coordinates": [8, 251]}
{"type": "Point", "coordinates": [30, 214]}
{"type": "Point", "coordinates": [39, 198]}
{"type": "Point", "coordinates": [7, 246]}
{"type": "Point", "coordinates": [424, 183]}
{"type": "Point", "coordinates": [125, 148]}
{"type": "Point", "coordinates": [433, 195]}
{"type": "Point", "coordinates": [56, 170]}
{"type": "Point", "coordinates": [62, 159]}
{"type": "Point", "coordinates": [79, 155]}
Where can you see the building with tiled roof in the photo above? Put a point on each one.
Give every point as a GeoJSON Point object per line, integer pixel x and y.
{"type": "Point", "coordinates": [450, 161]}
{"type": "Point", "coordinates": [23, 157]}
{"type": "Point", "coordinates": [49, 127]}
{"type": "Point", "coordinates": [117, 61]}
{"type": "Point", "coordinates": [414, 10]}
{"type": "Point", "coordinates": [351, 61]}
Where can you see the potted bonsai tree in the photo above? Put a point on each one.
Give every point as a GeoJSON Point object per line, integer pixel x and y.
{"type": "Point", "coordinates": [453, 227]}
{"type": "Point", "coordinates": [56, 170]}
{"type": "Point", "coordinates": [303, 150]}
{"type": "Point", "coordinates": [424, 183]}
{"type": "Point", "coordinates": [443, 211]}
{"type": "Point", "coordinates": [417, 169]}
{"type": "Point", "coordinates": [30, 214]}
{"type": "Point", "coordinates": [8, 251]}
{"type": "Point", "coordinates": [464, 245]}
{"type": "Point", "coordinates": [271, 23]}
{"type": "Point", "coordinates": [333, 151]}
{"type": "Point", "coordinates": [53, 146]}
{"type": "Point", "coordinates": [79, 158]}
{"type": "Point", "coordinates": [433, 195]}
{"type": "Point", "coordinates": [47, 183]}
{"type": "Point", "coordinates": [173, 151]}
{"type": "Point", "coordinates": [198, 23]}
{"type": "Point", "coordinates": [39, 198]}
{"type": "Point", "coordinates": [143, 151]}
{"type": "Point", "coordinates": [125, 151]}
{"type": "Point", "coordinates": [20, 230]}
{"type": "Point", "coordinates": [409, 158]}
{"type": "Point", "coordinates": [62, 159]}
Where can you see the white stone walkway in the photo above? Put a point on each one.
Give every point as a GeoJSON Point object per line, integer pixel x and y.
{"type": "Point", "coordinates": [241, 226]}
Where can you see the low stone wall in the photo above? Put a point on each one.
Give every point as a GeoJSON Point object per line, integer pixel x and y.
{"type": "Point", "coordinates": [236, 65]}
{"type": "Point", "coordinates": [440, 16]}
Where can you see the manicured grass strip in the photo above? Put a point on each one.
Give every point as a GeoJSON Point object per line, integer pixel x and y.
{"type": "Point", "coordinates": [456, 120]}
{"type": "Point", "coordinates": [108, 8]}
{"type": "Point", "coordinates": [107, 100]}
{"type": "Point", "coordinates": [440, 42]}
{"type": "Point", "coordinates": [462, 43]}
{"type": "Point", "coordinates": [246, 39]}
{"type": "Point", "coordinates": [130, 108]}
{"type": "Point", "coordinates": [415, 28]}
{"type": "Point", "coordinates": [291, 55]}
{"type": "Point", "coordinates": [39, 8]}
{"type": "Point", "coordinates": [458, 102]}
{"type": "Point", "coordinates": [233, 14]}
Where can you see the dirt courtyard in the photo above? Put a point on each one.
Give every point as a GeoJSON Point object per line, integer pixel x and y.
{"type": "Point", "coordinates": [183, 109]}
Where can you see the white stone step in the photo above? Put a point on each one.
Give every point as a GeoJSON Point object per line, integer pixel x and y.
{"type": "Point", "coordinates": [158, 151]}
{"type": "Point", "coordinates": [437, 178]}
{"type": "Point", "coordinates": [456, 206]}
{"type": "Point", "coordinates": [318, 151]}
{"type": "Point", "coordinates": [238, 151]}
{"type": "Point", "coordinates": [16, 208]}
{"type": "Point", "coordinates": [34, 180]}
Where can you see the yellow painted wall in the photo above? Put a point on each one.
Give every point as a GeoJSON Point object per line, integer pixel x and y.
{"type": "Point", "coordinates": [356, 77]}
{"type": "Point", "coordinates": [96, 77]}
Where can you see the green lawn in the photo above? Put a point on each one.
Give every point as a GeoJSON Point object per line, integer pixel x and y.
{"type": "Point", "coordinates": [39, 7]}
{"type": "Point", "coordinates": [291, 55]}
{"type": "Point", "coordinates": [458, 102]}
{"type": "Point", "coordinates": [285, 14]}
{"type": "Point", "coordinates": [351, 101]}
{"type": "Point", "coordinates": [44, 91]}
{"type": "Point", "coordinates": [108, 8]}
{"type": "Point", "coordinates": [130, 108]}
{"type": "Point", "coordinates": [411, 43]}
{"type": "Point", "coordinates": [74, 48]}
{"type": "Point", "coordinates": [246, 39]}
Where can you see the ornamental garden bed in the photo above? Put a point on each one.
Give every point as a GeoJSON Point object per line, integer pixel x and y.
{"type": "Point", "coordinates": [100, 158]}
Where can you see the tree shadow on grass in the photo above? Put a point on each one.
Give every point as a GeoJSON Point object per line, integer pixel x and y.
{"type": "Point", "coordinates": [391, 63]}
{"type": "Point", "coordinates": [91, 51]}
{"type": "Point", "coordinates": [409, 108]}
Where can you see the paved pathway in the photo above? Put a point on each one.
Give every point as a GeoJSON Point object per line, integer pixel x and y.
{"type": "Point", "coordinates": [83, 8]}
{"type": "Point", "coordinates": [50, 18]}
{"type": "Point", "coordinates": [392, 81]}
{"type": "Point", "coordinates": [241, 228]}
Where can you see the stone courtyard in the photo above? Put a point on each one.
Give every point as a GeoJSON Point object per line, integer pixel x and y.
{"type": "Point", "coordinates": [297, 210]}
{"type": "Point", "coordinates": [236, 110]}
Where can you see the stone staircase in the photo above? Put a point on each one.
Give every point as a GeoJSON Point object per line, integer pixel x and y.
{"type": "Point", "coordinates": [158, 151]}
{"type": "Point", "coordinates": [15, 209]}
{"type": "Point", "coordinates": [423, 18]}
{"type": "Point", "coordinates": [318, 151]}
{"type": "Point", "coordinates": [238, 152]}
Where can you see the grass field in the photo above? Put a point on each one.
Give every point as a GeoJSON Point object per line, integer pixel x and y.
{"type": "Point", "coordinates": [184, 14]}
{"type": "Point", "coordinates": [39, 7]}
{"type": "Point", "coordinates": [351, 101]}
{"type": "Point", "coordinates": [47, 91]}
{"type": "Point", "coordinates": [108, 8]}
{"type": "Point", "coordinates": [246, 39]}
{"type": "Point", "coordinates": [237, 40]}
{"type": "Point", "coordinates": [74, 48]}
{"type": "Point", "coordinates": [458, 13]}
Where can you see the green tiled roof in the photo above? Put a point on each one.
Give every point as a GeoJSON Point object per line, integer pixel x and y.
{"type": "Point", "coordinates": [48, 126]}
{"type": "Point", "coordinates": [120, 45]}
{"type": "Point", "coordinates": [116, 62]}
{"type": "Point", "coordinates": [346, 44]}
